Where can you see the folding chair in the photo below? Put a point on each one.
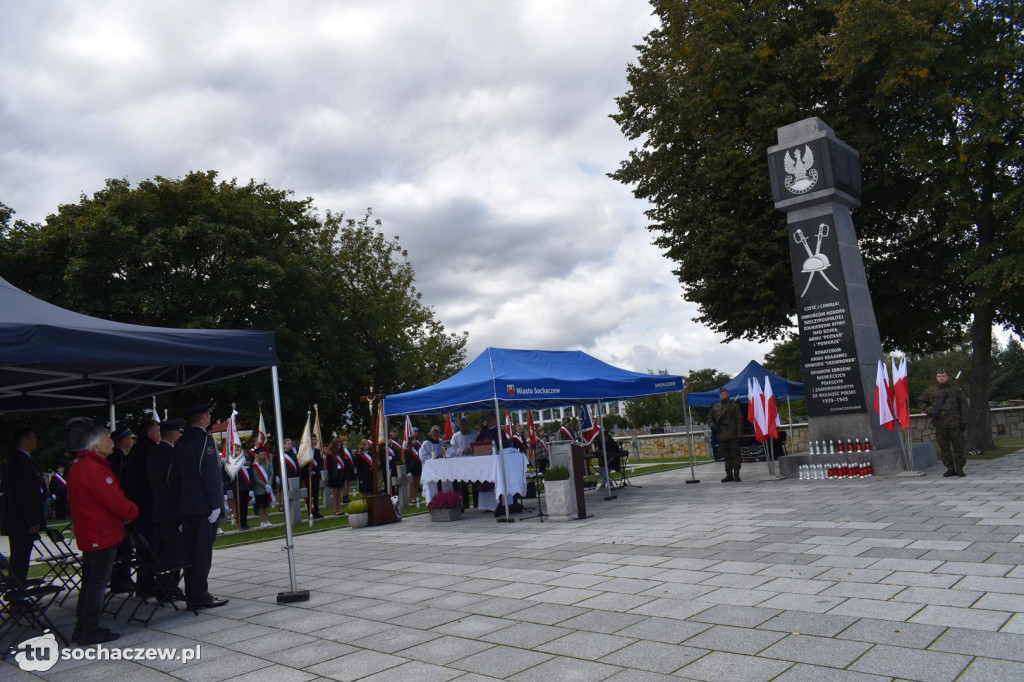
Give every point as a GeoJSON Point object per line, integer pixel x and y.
{"type": "Point", "coordinates": [23, 606]}
{"type": "Point", "coordinates": [64, 564]}
{"type": "Point", "coordinates": [156, 581]}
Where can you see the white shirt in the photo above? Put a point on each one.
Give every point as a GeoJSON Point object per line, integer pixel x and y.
{"type": "Point", "coordinates": [430, 450]}
{"type": "Point", "coordinates": [460, 442]}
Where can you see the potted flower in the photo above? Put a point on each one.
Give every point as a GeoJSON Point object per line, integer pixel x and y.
{"type": "Point", "coordinates": [445, 506]}
{"type": "Point", "coordinates": [559, 493]}
{"type": "Point", "coordinates": [358, 513]}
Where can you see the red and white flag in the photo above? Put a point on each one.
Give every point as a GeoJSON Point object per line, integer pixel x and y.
{"type": "Point", "coordinates": [771, 411]}
{"type": "Point", "coordinates": [448, 430]}
{"type": "Point", "coordinates": [508, 425]}
{"type": "Point", "coordinates": [883, 398]}
{"type": "Point", "coordinates": [261, 434]}
{"type": "Point", "coordinates": [407, 436]}
{"type": "Point", "coordinates": [755, 409]}
{"type": "Point", "coordinates": [901, 392]}
{"type": "Point", "coordinates": [531, 430]}
{"type": "Point", "coordinates": [588, 427]}
{"type": "Point", "coordinates": [232, 445]}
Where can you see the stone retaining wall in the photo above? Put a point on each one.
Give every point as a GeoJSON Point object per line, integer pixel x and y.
{"type": "Point", "coordinates": [1007, 422]}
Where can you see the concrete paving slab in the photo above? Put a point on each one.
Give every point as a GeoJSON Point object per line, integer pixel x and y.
{"type": "Point", "coordinates": [667, 582]}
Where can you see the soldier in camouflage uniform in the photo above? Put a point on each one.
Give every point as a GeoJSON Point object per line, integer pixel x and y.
{"type": "Point", "coordinates": [726, 421]}
{"type": "Point", "coordinates": [947, 407]}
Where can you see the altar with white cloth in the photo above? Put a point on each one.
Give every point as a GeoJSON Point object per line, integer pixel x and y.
{"type": "Point", "coordinates": [479, 469]}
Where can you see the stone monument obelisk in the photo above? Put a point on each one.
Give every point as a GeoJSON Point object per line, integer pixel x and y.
{"type": "Point", "coordinates": [816, 180]}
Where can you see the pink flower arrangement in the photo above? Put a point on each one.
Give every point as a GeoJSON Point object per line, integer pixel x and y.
{"type": "Point", "coordinates": [448, 499]}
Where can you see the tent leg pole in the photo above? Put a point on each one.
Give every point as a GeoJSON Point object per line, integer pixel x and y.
{"type": "Point", "coordinates": [296, 595]}
{"type": "Point", "coordinates": [689, 437]}
{"type": "Point", "coordinates": [501, 463]}
{"type": "Point", "coordinates": [604, 454]}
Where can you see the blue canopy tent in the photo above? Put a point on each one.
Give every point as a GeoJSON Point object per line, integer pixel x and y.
{"type": "Point", "coordinates": [792, 390]}
{"type": "Point", "coordinates": [530, 379]}
{"type": "Point", "coordinates": [738, 386]}
{"type": "Point", "coordinates": [56, 359]}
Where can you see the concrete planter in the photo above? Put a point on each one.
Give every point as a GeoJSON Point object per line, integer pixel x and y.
{"type": "Point", "coordinates": [358, 520]}
{"type": "Point", "coordinates": [453, 514]}
{"type": "Point", "coordinates": [559, 498]}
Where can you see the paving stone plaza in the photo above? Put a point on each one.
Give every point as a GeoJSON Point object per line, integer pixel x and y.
{"type": "Point", "coordinates": [875, 579]}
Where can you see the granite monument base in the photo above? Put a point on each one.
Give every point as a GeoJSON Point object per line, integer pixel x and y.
{"type": "Point", "coordinates": [888, 462]}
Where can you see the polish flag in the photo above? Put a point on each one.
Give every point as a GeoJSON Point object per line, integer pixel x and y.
{"type": "Point", "coordinates": [901, 392]}
{"type": "Point", "coordinates": [448, 430]}
{"type": "Point", "coordinates": [883, 398]}
{"type": "Point", "coordinates": [760, 420]}
{"type": "Point", "coordinates": [531, 431]}
{"type": "Point", "coordinates": [407, 436]}
{"type": "Point", "coordinates": [771, 411]}
{"type": "Point", "coordinates": [508, 424]}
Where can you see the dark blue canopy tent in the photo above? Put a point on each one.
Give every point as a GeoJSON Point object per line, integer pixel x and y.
{"type": "Point", "coordinates": [530, 379]}
{"type": "Point", "coordinates": [738, 387]}
{"type": "Point", "coordinates": [56, 359]}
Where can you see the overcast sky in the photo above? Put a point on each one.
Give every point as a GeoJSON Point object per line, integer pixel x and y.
{"type": "Point", "coordinates": [477, 131]}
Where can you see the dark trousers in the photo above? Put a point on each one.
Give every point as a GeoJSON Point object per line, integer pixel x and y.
{"type": "Point", "coordinates": [243, 510]}
{"type": "Point", "coordinates": [730, 450]}
{"type": "Point", "coordinates": [949, 441]}
{"type": "Point", "coordinates": [121, 575]}
{"type": "Point", "coordinates": [197, 535]}
{"type": "Point", "coordinates": [60, 507]}
{"type": "Point", "coordinates": [165, 541]}
{"type": "Point", "coordinates": [21, 552]}
{"type": "Point", "coordinates": [96, 568]}
{"type": "Point", "coordinates": [464, 490]}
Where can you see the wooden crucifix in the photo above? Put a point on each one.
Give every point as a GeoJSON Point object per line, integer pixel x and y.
{"type": "Point", "coordinates": [373, 399]}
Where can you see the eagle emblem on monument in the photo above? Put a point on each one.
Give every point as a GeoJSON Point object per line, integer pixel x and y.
{"type": "Point", "coordinates": [801, 177]}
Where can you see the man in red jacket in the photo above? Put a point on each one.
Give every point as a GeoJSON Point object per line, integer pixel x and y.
{"type": "Point", "coordinates": [99, 510]}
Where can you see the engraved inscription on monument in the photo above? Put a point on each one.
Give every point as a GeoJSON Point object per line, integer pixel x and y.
{"type": "Point", "coordinates": [829, 353]}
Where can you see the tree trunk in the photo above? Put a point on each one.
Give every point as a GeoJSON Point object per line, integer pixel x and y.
{"type": "Point", "coordinates": [981, 376]}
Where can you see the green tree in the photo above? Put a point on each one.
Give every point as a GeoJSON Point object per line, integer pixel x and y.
{"type": "Point", "coordinates": [784, 359]}
{"type": "Point", "coordinates": [928, 91]}
{"type": "Point", "coordinates": [196, 252]}
{"type": "Point", "coordinates": [1008, 378]}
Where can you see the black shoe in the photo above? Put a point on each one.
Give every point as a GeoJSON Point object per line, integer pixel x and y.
{"type": "Point", "coordinates": [736, 478]}
{"type": "Point", "coordinates": [949, 472]}
{"type": "Point", "coordinates": [318, 516]}
{"type": "Point", "coordinates": [211, 604]}
{"type": "Point", "coordinates": [728, 479]}
{"type": "Point", "coordinates": [97, 637]}
{"type": "Point", "coordinates": [960, 472]}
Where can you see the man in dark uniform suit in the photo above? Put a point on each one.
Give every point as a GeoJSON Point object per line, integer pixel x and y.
{"type": "Point", "coordinates": [121, 576]}
{"type": "Point", "coordinates": [59, 493]}
{"type": "Point", "coordinates": [23, 501]}
{"type": "Point", "coordinates": [124, 440]}
{"type": "Point", "coordinates": [164, 537]}
{"type": "Point", "coordinates": [200, 502]}
{"type": "Point", "coordinates": [136, 484]}
{"type": "Point", "coordinates": [311, 475]}
{"type": "Point", "coordinates": [242, 488]}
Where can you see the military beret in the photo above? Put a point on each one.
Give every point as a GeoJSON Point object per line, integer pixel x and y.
{"type": "Point", "coordinates": [199, 407]}
{"type": "Point", "coordinates": [172, 424]}
{"type": "Point", "coordinates": [122, 434]}
{"type": "Point", "coordinates": [723, 389]}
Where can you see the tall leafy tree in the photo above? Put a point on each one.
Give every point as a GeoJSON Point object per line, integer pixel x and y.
{"type": "Point", "coordinates": [198, 252]}
{"type": "Point", "coordinates": [929, 92]}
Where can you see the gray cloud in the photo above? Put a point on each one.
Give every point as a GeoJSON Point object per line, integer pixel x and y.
{"type": "Point", "coordinates": [478, 132]}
